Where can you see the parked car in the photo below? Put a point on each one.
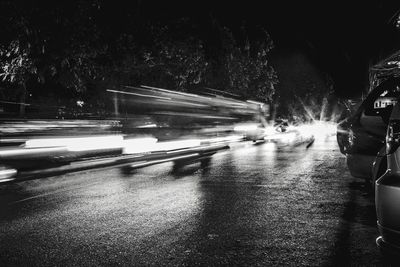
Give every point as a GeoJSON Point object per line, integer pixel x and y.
{"type": "Point", "coordinates": [361, 137]}
{"type": "Point", "coordinates": [387, 190]}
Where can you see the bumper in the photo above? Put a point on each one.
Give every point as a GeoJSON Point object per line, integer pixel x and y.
{"type": "Point", "coordinates": [359, 165]}
{"type": "Point", "coordinates": [387, 200]}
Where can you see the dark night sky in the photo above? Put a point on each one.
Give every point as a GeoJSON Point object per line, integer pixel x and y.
{"type": "Point", "coordinates": [342, 39]}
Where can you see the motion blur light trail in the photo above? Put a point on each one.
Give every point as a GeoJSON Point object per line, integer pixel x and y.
{"type": "Point", "coordinates": [148, 122]}
{"type": "Point", "coordinates": [63, 150]}
{"type": "Point", "coordinates": [245, 127]}
{"type": "Point", "coordinates": [185, 109]}
{"type": "Point", "coordinates": [129, 145]}
{"type": "Point", "coordinates": [52, 127]}
{"type": "Point", "coordinates": [139, 145]}
{"type": "Point", "coordinates": [76, 144]}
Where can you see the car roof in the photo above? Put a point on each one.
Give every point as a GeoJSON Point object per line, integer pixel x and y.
{"type": "Point", "coordinates": [384, 70]}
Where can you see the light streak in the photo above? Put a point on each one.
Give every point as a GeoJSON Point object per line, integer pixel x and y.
{"type": "Point", "coordinates": [245, 127]}
{"type": "Point", "coordinates": [6, 174]}
{"type": "Point", "coordinates": [139, 145]}
{"type": "Point", "coordinates": [148, 126]}
{"type": "Point", "coordinates": [136, 94]}
{"type": "Point", "coordinates": [75, 144]}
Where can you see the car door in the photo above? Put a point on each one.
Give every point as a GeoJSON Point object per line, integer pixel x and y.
{"type": "Point", "coordinates": [369, 130]}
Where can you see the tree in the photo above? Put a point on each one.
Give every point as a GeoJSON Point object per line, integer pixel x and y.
{"type": "Point", "coordinates": [17, 66]}
{"type": "Point", "coordinates": [49, 41]}
{"type": "Point", "coordinates": [174, 64]}
{"type": "Point", "coordinates": [245, 70]}
{"type": "Point", "coordinates": [74, 49]}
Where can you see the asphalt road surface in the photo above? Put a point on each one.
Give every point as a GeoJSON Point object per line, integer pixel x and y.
{"type": "Point", "coordinates": [252, 205]}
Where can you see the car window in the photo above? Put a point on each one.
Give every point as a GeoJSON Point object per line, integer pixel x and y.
{"type": "Point", "coordinates": [377, 108]}
{"type": "Point", "coordinates": [383, 103]}
{"type": "Point", "coordinates": [381, 100]}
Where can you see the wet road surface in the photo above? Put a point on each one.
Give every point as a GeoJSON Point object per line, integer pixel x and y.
{"type": "Point", "coordinates": [252, 205]}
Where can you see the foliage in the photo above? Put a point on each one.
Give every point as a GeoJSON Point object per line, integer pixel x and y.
{"type": "Point", "coordinates": [250, 74]}
{"type": "Point", "coordinates": [245, 68]}
{"type": "Point", "coordinates": [16, 63]}
{"type": "Point", "coordinates": [176, 64]}
{"type": "Point", "coordinates": [73, 48]}
{"type": "Point", "coordinates": [50, 42]}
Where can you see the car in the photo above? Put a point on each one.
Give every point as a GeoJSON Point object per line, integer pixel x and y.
{"type": "Point", "coordinates": [281, 125]}
{"type": "Point", "coordinates": [285, 135]}
{"type": "Point", "coordinates": [387, 190]}
{"type": "Point", "coordinates": [251, 131]}
{"type": "Point", "coordinates": [361, 137]}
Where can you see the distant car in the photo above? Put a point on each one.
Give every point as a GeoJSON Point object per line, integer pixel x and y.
{"type": "Point", "coordinates": [387, 190]}
{"type": "Point", "coordinates": [361, 137]}
{"type": "Point", "coordinates": [251, 131]}
{"type": "Point", "coordinates": [285, 135]}
{"type": "Point", "coordinates": [281, 125]}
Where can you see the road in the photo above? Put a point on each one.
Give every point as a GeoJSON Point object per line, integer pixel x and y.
{"type": "Point", "coordinates": [252, 205]}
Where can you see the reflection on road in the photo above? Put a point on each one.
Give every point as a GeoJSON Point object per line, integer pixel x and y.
{"type": "Point", "coordinates": [252, 204]}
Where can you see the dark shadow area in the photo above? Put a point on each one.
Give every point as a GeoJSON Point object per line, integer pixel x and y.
{"type": "Point", "coordinates": [127, 171]}
{"type": "Point", "coordinates": [12, 192]}
{"type": "Point", "coordinates": [231, 226]}
{"type": "Point", "coordinates": [17, 199]}
{"type": "Point", "coordinates": [353, 214]}
{"type": "Point", "coordinates": [9, 194]}
{"type": "Point", "coordinates": [181, 169]}
{"type": "Point", "coordinates": [359, 186]}
{"type": "Point", "coordinates": [218, 237]}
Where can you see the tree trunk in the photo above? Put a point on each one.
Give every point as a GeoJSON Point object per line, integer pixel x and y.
{"type": "Point", "coordinates": [116, 109]}
{"type": "Point", "coordinates": [22, 99]}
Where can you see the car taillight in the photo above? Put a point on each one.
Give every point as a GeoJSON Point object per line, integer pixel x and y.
{"type": "Point", "coordinates": [393, 136]}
